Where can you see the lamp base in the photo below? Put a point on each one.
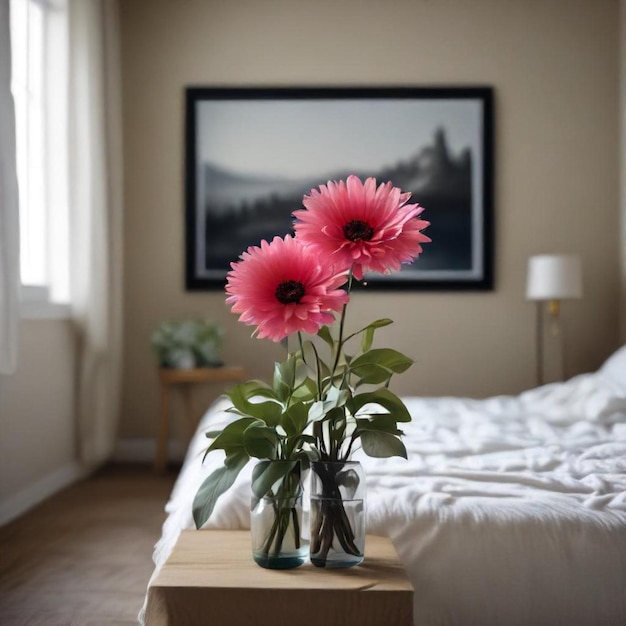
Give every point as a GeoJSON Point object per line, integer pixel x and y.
{"type": "Point", "coordinates": [550, 345]}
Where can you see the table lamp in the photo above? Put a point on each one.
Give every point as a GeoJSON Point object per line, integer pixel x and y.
{"type": "Point", "coordinates": [552, 278]}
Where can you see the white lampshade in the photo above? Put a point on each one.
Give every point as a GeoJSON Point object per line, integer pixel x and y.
{"type": "Point", "coordinates": [554, 277]}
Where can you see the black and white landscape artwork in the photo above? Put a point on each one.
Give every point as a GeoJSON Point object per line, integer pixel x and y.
{"type": "Point", "coordinates": [254, 159]}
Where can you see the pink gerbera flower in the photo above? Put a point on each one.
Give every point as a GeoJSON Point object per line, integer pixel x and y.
{"type": "Point", "coordinates": [361, 226]}
{"type": "Point", "coordinates": [282, 288]}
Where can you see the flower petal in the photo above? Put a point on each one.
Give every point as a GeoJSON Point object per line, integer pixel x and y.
{"type": "Point", "coordinates": [253, 289]}
{"type": "Point", "coordinates": [383, 211]}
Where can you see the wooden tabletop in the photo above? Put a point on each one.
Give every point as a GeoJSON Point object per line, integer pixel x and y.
{"type": "Point", "coordinates": [172, 376]}
{"type": "Point", "coordinates": [210, 578]}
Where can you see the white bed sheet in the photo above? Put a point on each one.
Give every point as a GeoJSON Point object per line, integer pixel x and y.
{"type": "Point", "coordinates": [510, 510]}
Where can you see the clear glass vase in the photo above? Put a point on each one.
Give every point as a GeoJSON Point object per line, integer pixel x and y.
{"type": "Point", "coordinates": [276, 517]}
{"type": "Point", "coordinates": [337, 520]}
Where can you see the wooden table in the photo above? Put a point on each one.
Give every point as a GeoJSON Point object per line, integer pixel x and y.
{"type": "Point", "coordinates": [184, 379]}
{"type": "Point", "coordinates": [210, 578]}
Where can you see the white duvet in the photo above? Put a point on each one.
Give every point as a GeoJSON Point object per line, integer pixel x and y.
{"type": "Point", "coordinates": [510, 510]}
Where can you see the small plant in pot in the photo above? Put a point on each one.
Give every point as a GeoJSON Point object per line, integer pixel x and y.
{"type": "Point", "coordinates": [187, 344]}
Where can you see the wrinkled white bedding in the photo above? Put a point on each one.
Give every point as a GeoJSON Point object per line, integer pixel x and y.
{"type": "Point", "coordinates": [510, 510]}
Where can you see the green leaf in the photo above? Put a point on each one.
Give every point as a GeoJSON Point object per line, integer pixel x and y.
{"type": "Point", "coordinates": [368, 333]}
{"type": "Point", "coordinates": [269, 411]}
{"type": "Point", "coordinates": [324, 333]}
{"type": "Point", "coordinates": [324, 370]}
{"type": "Point", "coordinates": [307, 439]}
{"type": "Point", "coordinates": [349, 479]}
{"type": "Point", "coordinates": [211, 434]}
{"type": "Point", "coordinates": [254, 387]}
{"type": "Point", "coordinates": [384, 357]}
{"type": "Point", "coordinates": [260, 442]}
{"type": "Point", "coordinates": [337, 423]}
{"type": "Point", "coordinates": [266, 475]}
{"type": "Point", "coordinates": [384, 321]}
{"type": "Point", "coordinates": [336, 397]}
{"type": "Point", "coordinates": [295, 418]}
{"type": "Point", "coordinates": [336, 416]}
{"type": "Point", "coordinates": [301, 374]}
{"type": "Point", "coordinates": [368, 339]}
{"type": "Point", "coordinates": [315, 362]}
{"type": "Point", "coordinates": [306, 391]}
{"type": "Point", "coordinates": [316, 411]}
{"type": "Point", "coordinates": [231, 438]}
{"type": "Point", "coordinates": [214, 486]}
{"type": "Point", "coordinates": [381, 444]}
{"type": "Point", "coordinates": [371, 374]}
{"type": "Point", "coordinates": [383, 423]}
{"type": "Point", "coordinates": [284, 378]}
{"type": "Point", "coordinates": [382, 397]}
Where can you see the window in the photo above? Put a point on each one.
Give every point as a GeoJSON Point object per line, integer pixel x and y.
{"type": "Point", "coordinates": [39, 86]}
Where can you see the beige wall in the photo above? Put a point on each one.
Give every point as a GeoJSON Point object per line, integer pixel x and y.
{"type": "Point", "coordinates": [554, 67]}
{"type": "Point", "coordinates": [37, 444]}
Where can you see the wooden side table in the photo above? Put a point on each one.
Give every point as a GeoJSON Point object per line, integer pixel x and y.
{"type": "Point", "coordinates": [210, 578]}
{"type": "Point", "coordinates": [184, 379]}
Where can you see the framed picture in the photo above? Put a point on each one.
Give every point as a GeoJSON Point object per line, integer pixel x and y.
{"type": "Point", "coordinates": [252, 153]}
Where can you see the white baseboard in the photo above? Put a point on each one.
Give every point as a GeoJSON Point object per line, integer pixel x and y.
{"type": "Point", "coordinates": [19, 503]}
{"type": "Point", "coordinates": [138, 450]}
{"type": "Point", "coordinates": [126, 451]}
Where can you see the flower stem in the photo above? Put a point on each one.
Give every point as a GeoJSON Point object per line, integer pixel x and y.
{"type": "Point", "coordinates": [341, 326]}
{"type": "Point", "coordinates": [331, 521]}
{"type": "Point", "coordinates": [318, 371]}
{"type": "Point", "coordinates": [285, 516]}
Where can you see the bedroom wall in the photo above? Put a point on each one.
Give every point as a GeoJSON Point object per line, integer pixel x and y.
{"type": "Point", "coordinates": [37, 447]}
{"type": "Point", "coordinates": [554, 67]}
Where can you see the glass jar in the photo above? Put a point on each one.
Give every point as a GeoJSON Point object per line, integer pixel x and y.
{"type": "Point", "coordinates": [276, 515]}
{"type": "Point", "coordinates": [337, 522]}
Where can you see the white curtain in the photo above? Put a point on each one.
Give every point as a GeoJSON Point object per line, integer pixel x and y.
{"type": "Point", "coordinates": [622, 40]}
{"type": "Point", "coordinates": [9, 221]}
{"type": "Point", "coordinates": [95, 190]}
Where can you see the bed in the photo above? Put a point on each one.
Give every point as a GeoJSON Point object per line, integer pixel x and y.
{"type": "Point", "coordinates": [510, 510]}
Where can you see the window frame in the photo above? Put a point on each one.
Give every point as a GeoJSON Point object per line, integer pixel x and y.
{"type": "Point", "coordinates": [47, 295]}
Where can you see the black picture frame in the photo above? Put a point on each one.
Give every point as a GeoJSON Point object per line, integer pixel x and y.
{"type": "Point", "coordinates": [253, 152]}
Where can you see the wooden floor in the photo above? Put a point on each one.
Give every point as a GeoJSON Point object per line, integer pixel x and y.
{"type": "Point", "coordinates": [84, 557]}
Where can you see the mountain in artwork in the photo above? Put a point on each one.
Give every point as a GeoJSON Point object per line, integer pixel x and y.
{"type": "Point", "coordinates": [242, 209]}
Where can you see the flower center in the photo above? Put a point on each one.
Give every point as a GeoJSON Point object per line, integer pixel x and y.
{"type": "Point", "coordinates": [289, 291]}
{"type": "Point", "coordinates": [356, 230]}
